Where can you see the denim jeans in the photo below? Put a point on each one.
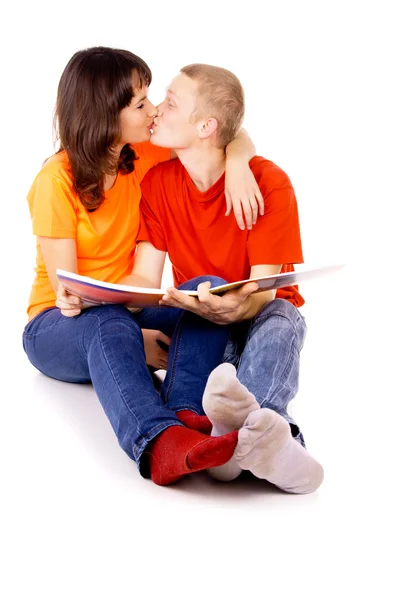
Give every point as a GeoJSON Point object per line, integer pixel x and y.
{"type": "Point", "coordinates": [266, 354]}
{"type": "Point", "coordinates": [104, 345]}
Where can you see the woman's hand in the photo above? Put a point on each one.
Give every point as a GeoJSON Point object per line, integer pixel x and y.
{"type": "Point", "coordinates": [155, 355]}
{"type": "Point", "coordinates": [242, 194]}
{"type": "Point", "coordinates": [70, 305]}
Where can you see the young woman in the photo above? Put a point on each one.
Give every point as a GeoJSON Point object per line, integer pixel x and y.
{"type": "Point", "coordinates": [84, 206]}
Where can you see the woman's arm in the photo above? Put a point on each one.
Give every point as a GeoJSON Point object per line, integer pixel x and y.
{"type": "Point", "coordinates": [148, 267]}
{"type": "Point", "coordinates": [58, 253]}
{"type": "Point", "coordinates": [241, 190]}
{"type": "Point", "coordinates": [147, 272]}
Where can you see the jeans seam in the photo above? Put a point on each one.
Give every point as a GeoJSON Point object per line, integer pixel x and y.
{"type": "Point", "coordinates": [177, 333]}
{"type": "Point", "coordinates": [32, 335]}
{"type": "Point", "coordinates": [112, 372]}
{"type": "Point", "coordinates": [148, 319]}
{"type": "Point", "coordinates": [138, 449]}
{"type": "Point", "coordinates": [186, 407]}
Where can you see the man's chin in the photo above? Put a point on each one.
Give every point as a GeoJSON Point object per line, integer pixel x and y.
{"type": "Point", "coordinates": [156, 140]}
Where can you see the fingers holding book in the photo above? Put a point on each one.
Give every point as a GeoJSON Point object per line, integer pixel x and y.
{"type": "Point", "coordinates": [69, 304]}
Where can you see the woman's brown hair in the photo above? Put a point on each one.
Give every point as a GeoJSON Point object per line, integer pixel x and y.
{"type": "Point", "coordinates": [94, 87]}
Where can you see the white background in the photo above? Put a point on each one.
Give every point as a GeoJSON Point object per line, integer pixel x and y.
{"type": "Point", "coordinates": [78, 521]}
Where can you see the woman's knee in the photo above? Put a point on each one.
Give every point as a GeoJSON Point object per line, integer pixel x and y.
{"type": "Point", "coordinates": [113, 318]}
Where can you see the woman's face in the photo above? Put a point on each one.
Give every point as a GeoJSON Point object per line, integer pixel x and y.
{"type": "Point", "coordinates": [136, 120]}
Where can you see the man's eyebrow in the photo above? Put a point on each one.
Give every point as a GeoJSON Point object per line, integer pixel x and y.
{"type": "Point", "coordinates": [169, 91]}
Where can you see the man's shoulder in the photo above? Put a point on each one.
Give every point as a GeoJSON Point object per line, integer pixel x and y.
{"type": "Point", "coordinates": [268, 173]}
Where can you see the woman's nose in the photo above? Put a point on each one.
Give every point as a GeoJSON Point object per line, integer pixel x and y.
{"type": "Point", "coordinates": [153, 112]}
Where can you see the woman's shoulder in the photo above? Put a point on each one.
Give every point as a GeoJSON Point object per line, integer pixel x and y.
{"type": "Point", "coordinates": [54, 175]}
{"type": "Point", "coordinates": [57, 165]}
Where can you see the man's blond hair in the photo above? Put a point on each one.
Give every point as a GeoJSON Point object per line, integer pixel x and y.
{"type": "Point", "coordinates": [221, 96]}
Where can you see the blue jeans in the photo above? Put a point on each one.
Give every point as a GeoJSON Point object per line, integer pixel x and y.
{"type": "Point", "coordinates": [266, 354]}
{"type": "Point", "coordinates": [104, 345]}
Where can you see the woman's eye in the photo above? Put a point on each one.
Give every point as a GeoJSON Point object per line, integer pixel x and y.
{"type": "Point", "coordinates": [140, 106]}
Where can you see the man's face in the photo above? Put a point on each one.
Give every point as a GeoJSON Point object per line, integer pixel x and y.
{"type": "Point", "coordinates": [173, 128]}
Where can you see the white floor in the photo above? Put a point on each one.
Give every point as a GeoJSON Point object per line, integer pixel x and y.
{"type": "Point", "coordinates": [79, 521]}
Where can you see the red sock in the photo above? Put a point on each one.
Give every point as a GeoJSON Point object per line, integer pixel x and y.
{"type": "Point", "coordinates": [178, 451]}
{"type": "Point", "coordinates": [191, 420]}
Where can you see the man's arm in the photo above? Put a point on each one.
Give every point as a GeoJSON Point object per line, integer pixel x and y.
{"type": "Point", "coordinates": [255, 302]}
{"type": "Point", "coordinates": [237, 305]}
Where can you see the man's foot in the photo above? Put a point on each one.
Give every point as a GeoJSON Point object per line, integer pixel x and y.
{"type": "Point", "coordinates": [227, 403]}
{"type": "Point", "coordinates": [267, 449]}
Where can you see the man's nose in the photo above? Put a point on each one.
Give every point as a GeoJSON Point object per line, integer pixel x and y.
{"type": "Point", "coordinates": [160, 109]}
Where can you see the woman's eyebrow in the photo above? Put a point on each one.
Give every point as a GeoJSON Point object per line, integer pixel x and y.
{"type": "Point", "coordinates": [141, 100]}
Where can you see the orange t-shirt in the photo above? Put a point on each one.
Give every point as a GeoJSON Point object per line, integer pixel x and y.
{"type": "Point", "coordinates": [105, 238]}
{"type": "Point", "coordinates": [190, 225]}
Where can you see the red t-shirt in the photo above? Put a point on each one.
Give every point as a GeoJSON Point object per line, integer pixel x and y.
{"type": "Point", "coordinates": [190, 225]}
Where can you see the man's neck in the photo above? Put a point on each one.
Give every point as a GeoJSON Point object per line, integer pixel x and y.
{"type": "Point", "coordinates": [204, 165]}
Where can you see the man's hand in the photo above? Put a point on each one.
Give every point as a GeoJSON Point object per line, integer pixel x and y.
{"type": "Point", "coordinates": [155, 356]}
{"type": "Point", "coordinates": [229, 308]}
{"type": "Point", "coordinates": [70, 305]}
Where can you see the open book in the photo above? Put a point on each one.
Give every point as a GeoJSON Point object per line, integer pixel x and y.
{"type": "Point", "coordinates": [94, 292]}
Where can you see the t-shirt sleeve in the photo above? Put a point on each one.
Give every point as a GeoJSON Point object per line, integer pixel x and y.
{"type": "Point", "coordinates": [151, 229]}
{"type": "Point", "coordinates": [149, 156]}
{"type": "Point", "coordinates": [52, 206]}
{"type": "Point", "coordinates": [276, 239]}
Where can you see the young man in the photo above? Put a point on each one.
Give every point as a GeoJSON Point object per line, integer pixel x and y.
{"type": "Point", "coordinates": [183, 214]}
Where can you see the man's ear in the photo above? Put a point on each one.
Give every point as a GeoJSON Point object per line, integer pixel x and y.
{"type": "Point", "coordinates": [207, 128]}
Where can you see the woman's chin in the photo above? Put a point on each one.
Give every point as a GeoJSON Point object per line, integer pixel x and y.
{"type": "Point", "coordinates": [146, 135]}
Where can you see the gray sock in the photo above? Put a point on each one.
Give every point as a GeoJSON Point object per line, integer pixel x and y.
{"type": "Point", "coordinates": [227, 403]}
{"type": "Point", "coordinates": [267, 449]}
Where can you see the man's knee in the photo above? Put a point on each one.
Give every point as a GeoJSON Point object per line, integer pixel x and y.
{"type": "Point", "coordinates": [282, 308]}
{"type": "Point", "coordinates": [192, 284]}
{"type": "Point", "coordinates": [284, 316]}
